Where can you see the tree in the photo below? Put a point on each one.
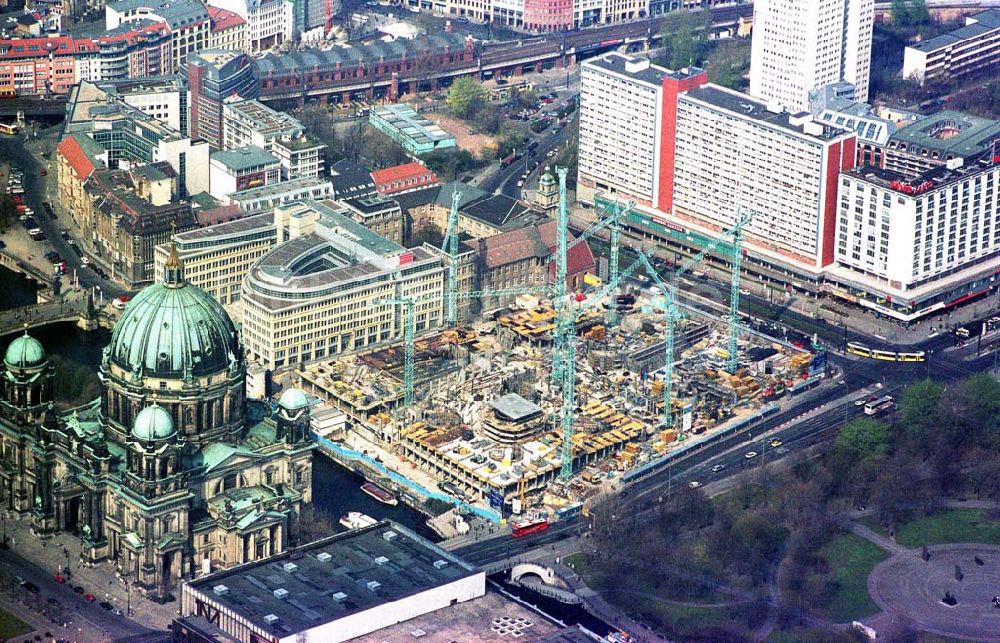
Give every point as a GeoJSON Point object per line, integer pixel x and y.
{"type": "Point", "coordinates": [427, 233]}
{"type": "Point", "coordinates": [682, 37]}
{"type": "Point", "coordinates": [900, 14]}
{"type": "Point", "coordinates": [918, 13]}
{"type": "Point", "coordinates": [918, 408]}
{"type": "Point", "coordinates": [465, 96]}
{"type": "Point", "coordinates": [863, 438]}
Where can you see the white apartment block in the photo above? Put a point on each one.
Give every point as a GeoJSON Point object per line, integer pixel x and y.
{"type": "Point", "coordinates": [620, 120]}
{"type": "Point", "coordinates": [734, 154]}
{"type": "Point", "coordinates": [268, 22]}
{"type": "Point", "coordinates": [966, 50]}
{"type": "Point", "coordinates": [250, 122]}
{"type": "Point", "coordinates": [914, 245]}
{"type": "Point", "coordinates": [802, 45]}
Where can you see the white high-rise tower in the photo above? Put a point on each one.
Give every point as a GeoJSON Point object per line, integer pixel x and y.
{"type": "Point", "coordinates": [802, 45]}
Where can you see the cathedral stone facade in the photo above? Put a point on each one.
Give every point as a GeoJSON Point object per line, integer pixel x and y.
{"type": "Point", "coordinates": [172, 473]}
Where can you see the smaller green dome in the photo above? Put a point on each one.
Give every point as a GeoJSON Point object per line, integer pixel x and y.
{"type": "Point", "coordinates": [24, 352]}
{"type": "Point", "coordinates": [293, 399]}
{"type": "Point", "coordinates": [153, 423]}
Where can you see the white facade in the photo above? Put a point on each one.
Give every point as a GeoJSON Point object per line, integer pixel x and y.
{"type": "Point", "coordinates": [162, 103]}
{"type": "Point", "coordinates": [620, 120]}
{"type": "Point", "coordinates": [269, 22]}
{"type": "Point", "coordinates": [250, 122]}
{"type": "Point", "coordinates": [910, 240]}
{"type": "Point", "coordinates": [733, 155]}
{"type": "Point", "coordinates": [967, 50]}
{"type": "Point", "coordinates": [268, 197]}
{"type": "Point", "coordinates": [801, 45]}
{"type": "Point", "coordinates": [195, 154]}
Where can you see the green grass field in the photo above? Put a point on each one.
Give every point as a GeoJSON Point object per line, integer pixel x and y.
{"type": "Point", "coordinates": [951, 526]}
{"type": "Point", "coordinates": [11, 626]}
{"type": "Point", "coordinates": [851, 558]}
{"type": "Point", "coordinates": [873, 523]}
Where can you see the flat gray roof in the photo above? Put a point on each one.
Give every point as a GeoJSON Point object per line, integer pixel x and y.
{"type": "Point", "coordinates": [515, 408]}
{"type": "Point", "coordinates": [985, 22]}
{"type": "Point", "coordinates": [244, 158]}
{"type": "Point", "coordinates": [747, 107]}
{"type": "Point", "coordinates": [333, 578]}
{"type": "Point", "coordinates": [647, 73]}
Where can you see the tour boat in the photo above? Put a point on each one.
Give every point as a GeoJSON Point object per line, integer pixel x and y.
{"type": "Point", "coordinates": [356, 520]}
{"type": "Point", "coordinates": [379, 493]}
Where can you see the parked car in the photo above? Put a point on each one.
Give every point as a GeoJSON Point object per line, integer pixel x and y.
{"type": "Point", "coordinates": [89, 598]}
{"type": "Point", "coordinates": [106, 605]}
{"type": "Point", "coordinates": [77, 589]}
{"type": "Point", "coordinates": [121, 302]}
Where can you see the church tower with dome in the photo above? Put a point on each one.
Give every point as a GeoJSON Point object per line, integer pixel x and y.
{"type": "Point", "coordinates": [171, 473]}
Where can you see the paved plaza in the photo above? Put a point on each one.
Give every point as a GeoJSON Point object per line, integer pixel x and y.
{"type": "Point", "coordinates": [907, 585]}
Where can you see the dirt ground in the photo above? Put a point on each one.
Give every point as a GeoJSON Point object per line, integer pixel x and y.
{"type": "Point", "coordinates": [472, 142]}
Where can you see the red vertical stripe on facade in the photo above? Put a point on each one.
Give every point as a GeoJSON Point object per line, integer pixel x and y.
{"type": "Point", "coordinates": [839, 157]}
{"type": "Point", "coordinates": [672, 87]}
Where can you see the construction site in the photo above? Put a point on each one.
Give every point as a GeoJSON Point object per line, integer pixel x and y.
{"type": "Point", "coordinates": [543, 402]}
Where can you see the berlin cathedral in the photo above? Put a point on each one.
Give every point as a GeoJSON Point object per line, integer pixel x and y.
{"type": "Point", "coordinates": [172, 472]}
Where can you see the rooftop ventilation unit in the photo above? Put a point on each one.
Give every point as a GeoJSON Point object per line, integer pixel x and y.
{"type": "Point", "coordinates": [220, 590]}
{"type": "Point", "coordinates": [381, 560]}
{"type": "Point", "coordinates": [340, 597]}
{"type": "Point", "coordinates": [281, 593]}
{"type": "Point", "coordinates": [373, 585]}
{"type": "Point", "coordinates": [323, 557]}
{"type": "Point", "coordinates": [271, 619]}
{"type": "Point", "coordinates": [440, 564]}
{"type": "Point", "coordinates": [289, 567]}
{"type": "Point", "coordinates": [389, 536]}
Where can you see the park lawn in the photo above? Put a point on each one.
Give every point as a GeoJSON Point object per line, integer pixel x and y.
{"type": "Point", "coordinates": [582, 565]}
{"type": "Point", "coordinates": [683, 621]}
{"type": "Point", "coordinates": [851, 559]}
{"type": "Point", "coordinates": [11, 626]}
{"type": "Point", "coordinates": [951, 526]}
{"type": "Point", "coordinates": [873, 523]}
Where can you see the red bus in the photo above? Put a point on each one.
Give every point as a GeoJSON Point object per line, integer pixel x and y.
{"type": "Point", "coordinates": [528, 527]}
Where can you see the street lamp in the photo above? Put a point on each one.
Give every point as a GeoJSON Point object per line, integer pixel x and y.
{"type": "Point", "coordinates": [847, 394]}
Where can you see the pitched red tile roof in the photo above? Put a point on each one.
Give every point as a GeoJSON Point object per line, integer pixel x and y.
{"type": "Point", "coordinates": [579, 258]}
{"type": "Point", "coordinates": [508, 247]}
{"type": "Point", "coordinates": [222, 19]}
{"type": "Point", "coordinates": [396, 173]}
{"type": "Point", "coordinates": [71, 150]}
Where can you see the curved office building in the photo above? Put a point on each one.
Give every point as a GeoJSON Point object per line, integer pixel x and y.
{"type": "Point", "coordinates": [327, 287]}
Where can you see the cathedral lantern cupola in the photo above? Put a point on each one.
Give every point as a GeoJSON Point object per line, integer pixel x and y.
{"type": "Point", "coordinates": [153, 451]}
{"type": "Point", "coordinates": [292, 417]}
{"type": "Point", "coordinates": [27, 380]}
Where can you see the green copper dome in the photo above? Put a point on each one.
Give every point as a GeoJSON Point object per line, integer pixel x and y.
{"type": "Point", "coordinates": [153, 423]}
{"type": "Point", "coordinates": [24, 352]}
{"type": "Point", "coordinates": [173, 329]}
{"type": "Point", "coordinates": [293, 399]}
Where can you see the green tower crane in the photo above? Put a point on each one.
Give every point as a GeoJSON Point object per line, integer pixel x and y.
{"type": "Point", "coordinates": [409, 338]}
{"type": "Point", "coordinates": [450, 247]}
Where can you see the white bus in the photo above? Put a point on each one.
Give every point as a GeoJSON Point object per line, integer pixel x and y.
{"type": "Point", "coordinates": [879, 405]}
